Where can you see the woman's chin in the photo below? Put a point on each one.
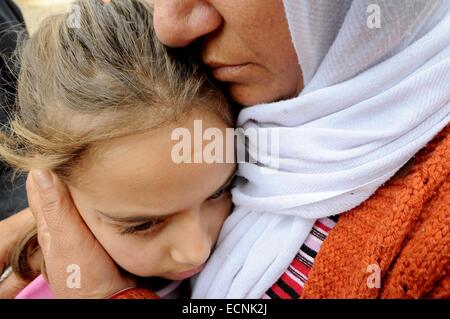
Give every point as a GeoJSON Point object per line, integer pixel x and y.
{"type": "Point", "coordinates": [253, 94]}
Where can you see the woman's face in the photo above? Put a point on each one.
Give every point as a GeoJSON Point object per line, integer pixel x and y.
{"type": "Point", "coordinates": [155, 217]}
{"type": "Point", "coordinates": [245, 43]}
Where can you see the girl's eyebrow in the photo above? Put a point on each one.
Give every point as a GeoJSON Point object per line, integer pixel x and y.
{"type": "Point", "coordinates": [133, 219]}
{"type": "Point", "coordinates": [146, 218]}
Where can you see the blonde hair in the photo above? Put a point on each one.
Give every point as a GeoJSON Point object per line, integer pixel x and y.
{"type": "Point", "coordinates": [104, 78]}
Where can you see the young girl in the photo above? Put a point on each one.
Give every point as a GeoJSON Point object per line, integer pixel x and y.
{"type": "Point", "coordinates": [98, 101]}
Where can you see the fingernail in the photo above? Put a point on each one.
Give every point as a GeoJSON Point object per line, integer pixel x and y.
{"type": "Point", "coordinates": [43, 179]}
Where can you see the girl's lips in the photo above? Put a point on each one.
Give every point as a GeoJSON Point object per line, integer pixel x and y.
{"type": "Point", "coordinates": [186, 274]}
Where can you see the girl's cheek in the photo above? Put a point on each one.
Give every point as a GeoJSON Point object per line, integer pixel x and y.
{"type": "Point", "coordinates": [136, 254]}
{"type": "Point", "coordinates": [119, 247]}
{"type": "Point", "coordinates": [126, 251]}
{"type": "Point", "coordinates": [222, 211]}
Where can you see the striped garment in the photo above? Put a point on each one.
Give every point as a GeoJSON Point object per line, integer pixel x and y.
{"type": "Point", "coordinates": [291, 283]}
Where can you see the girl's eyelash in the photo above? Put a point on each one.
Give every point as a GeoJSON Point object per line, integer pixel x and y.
{"type": "Point", "coordinates": [222, 191]}
{"type": "Point", "coordinates": [218, 194]}
{"type": "Point", "coordinates": [141, 227]}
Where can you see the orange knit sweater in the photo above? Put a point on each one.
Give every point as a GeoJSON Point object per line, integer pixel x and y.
{"type": "Point", "coordinates": [397, 243]}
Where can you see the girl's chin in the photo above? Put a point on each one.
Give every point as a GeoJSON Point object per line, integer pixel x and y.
{"type": "Point", "coordinates": [172, 276]}
{"type": "Point", "coordinates": [168, 275]}
{"type": "Point", "coordinates": [185, 274]}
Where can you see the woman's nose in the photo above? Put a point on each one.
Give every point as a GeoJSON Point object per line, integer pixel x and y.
{"type": "Point", "coordinates": [192, 246]}
{"type": "Point", "coordinates": [180, 22]}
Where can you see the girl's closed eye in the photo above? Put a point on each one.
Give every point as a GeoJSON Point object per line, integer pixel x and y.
{"type": "Point", "coordinates": [153, 225]}
{"type": "Point", "coordinates": [142, 228]}
{"type": "Point", "coordinates": [223, 190]}
{"type": "Point", "coordinates": [219, 193]}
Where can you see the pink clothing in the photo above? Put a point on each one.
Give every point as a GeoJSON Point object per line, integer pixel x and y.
{"type": "Point", "coordinates": [37, 289]}
{"type": "Point", "coordinates": [40, 289]}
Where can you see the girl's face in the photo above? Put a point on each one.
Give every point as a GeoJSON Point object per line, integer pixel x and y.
{"type": "Point", "coordinates": [155, 217]}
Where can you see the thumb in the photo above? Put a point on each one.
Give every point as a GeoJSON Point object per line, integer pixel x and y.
{"type": "Point", "coordinates": [51, 204]}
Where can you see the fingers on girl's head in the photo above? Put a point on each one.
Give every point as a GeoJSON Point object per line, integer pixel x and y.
{"type": "Point", "coordinates": [34, 203]}
{"type": "Point", "coordinates": [53, 207]}
{"type": "Point", "coordinates": [34, 200]}
{"type": "Point", "coordinates": [49, 197]}
{"type": "Point", "coordinates": [33, 195]}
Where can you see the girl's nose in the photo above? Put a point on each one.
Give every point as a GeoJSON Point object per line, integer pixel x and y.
{"type": "Point", "coordinates": [193, 246]}
{"type": "Point", "coordinates": [180, 22]}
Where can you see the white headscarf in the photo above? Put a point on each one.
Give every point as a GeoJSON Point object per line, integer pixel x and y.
{"type": "Point", "coordinates": [373, 97]}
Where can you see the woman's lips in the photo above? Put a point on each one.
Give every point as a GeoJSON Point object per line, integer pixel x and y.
{"type": "Point", "coordinates": [186, 274]}
{"type": "Point", "coordinates": [229, 73]}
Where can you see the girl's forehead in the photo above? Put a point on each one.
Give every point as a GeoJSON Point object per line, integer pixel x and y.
{"type": "Point", "coordinates": [158, 191]}
{"type": "Point", "coordinates": [140, 171]}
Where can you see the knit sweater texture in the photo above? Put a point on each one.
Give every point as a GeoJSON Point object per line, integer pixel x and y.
{"type": "Point", "coordinates": [397, 243]}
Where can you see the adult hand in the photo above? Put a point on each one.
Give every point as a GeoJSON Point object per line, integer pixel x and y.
{"type": "Point", "coordinates": [68, 246]}
{"type": "Point", "coordinates": [14, 284]}
{"type": "Point", "coordinates": [12, 230]}
{"type": "Point", "coordinates": [11, 287]}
